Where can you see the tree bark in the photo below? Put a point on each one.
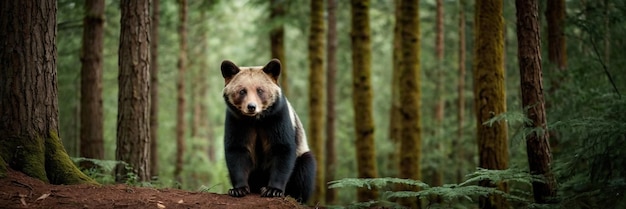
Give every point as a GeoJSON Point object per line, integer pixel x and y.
{"type": "Point", "coordinates": [489, 94]}
{"type": "Point", "coordinates": [555, 13]}
{"type": "Point", "coordinates": [154, 89]}
{"type": "Point", "coordinates": [133, 117]}
{"type": "Point", "coordinates": [439, 55]}
{"type": "Point", "coordinates": [316, 96]}
{"type": "Point", "coordinates": [180, 90]}
{"type": "Point", "coordinates": [91, 126]}
{"type": "Point", "coordinates": [456, 143]}
{"type": "Point", "coordinates": [29, 114]}
{"type": "Point", "coordinates": [410, 93]}
{"type": "Point", "coordinates": [278, 11]}
{"type": "Point", "coordinates": [436, 173]}
{"type": "Point", "coordinates": [331, 67]}
{"type": "Point", "coordinates": [395, 115]}
{"type": "Point", "coordinates": [362, 97]}
{"type": "Point", "coordinates": [529, 56]}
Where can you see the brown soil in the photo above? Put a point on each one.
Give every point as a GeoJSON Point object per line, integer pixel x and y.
{"type": "Point", "coordinates": [20, 191]}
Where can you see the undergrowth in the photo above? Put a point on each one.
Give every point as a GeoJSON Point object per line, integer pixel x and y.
{"type": "Point", "coordinates": [451, 195]}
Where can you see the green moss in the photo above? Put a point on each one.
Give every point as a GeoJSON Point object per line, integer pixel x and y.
{"type": "Point", "coordinates": [26, 155]}
{"type": "Point", "coordinates": [59, 166]}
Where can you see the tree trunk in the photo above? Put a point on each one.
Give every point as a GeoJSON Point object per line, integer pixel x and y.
{"type": "Point", "coordinates": [154, 90]}
{"type": "Point", "coordinates": [394, 112]}
{"type": "Point", "coordinates": [331, 67]}
{"type": "Point", "coordinates": [555, 13]}
{"type": "Point", "coordinates": [277, 40]}
{"type": "Point", "coordinates": [557, 53]}
{"type": "Point", "coordinates": [133, 117]}
{"type": "Point", "coordinates": [439, 86]}
{"type": "Point", "coordinates": [410, 93]}
{"type": "Point", "coordinates": [529, 56]}
{"type": "Point", "coordinates": [456, 143]}
{"type": "Point", "coordinates": [180, 90]}
{"type": "Point", "coordinates": [362, 97]}
{"type": "Point", "coordinates": [91, 125]}
{"type": "Point", "coordinates": [489, 94]}
{"type": "Point", "coordinates": [203, 87]}
{"type": "Point", "coordinates": [316, 96]}
{"type": "Point", "coordinates": [29, 113]}
{"type": "Point", "coordinates": [436, 173]}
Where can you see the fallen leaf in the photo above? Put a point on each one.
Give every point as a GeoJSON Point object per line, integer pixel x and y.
{"type": "Point", "coordinates": [22, 196]}
{"type": "Point", "coordinates": [43, 196]}
{"type": "Point", "coordinates": [180, 201]}
{"type": "Point", "coordinates": [159, 205]}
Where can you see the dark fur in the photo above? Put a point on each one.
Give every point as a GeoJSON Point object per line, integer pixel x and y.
{"type": "Point", "coordinates": [261, 151]}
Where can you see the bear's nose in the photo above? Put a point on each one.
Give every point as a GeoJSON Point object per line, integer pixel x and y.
{"type": "Point", "coordinates": [251, 107]}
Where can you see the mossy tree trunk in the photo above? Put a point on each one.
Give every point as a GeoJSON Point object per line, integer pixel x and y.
{"type": "Point", "coordinates": [316, 96]}
{"type": "Point", "coordinates": [91, 120]}
{"type": "Point", "coordinates": [489, 94]}
{"type": "Point", "coordinates": [410, 94]}
{"type": "Point", "coordinates": [362, 96]}
{"type": "Point", "coordinates": [278, 10]}
{"type": "Point", "coordinates": [29, 113]}
{"type": "Point", "coordinates": [181, 124]}
{"type": "Point", "coordinates": [154, 89]}
{"type": "Point", "coordinates": [133, 117]}
{"type": "Point", "coordinates": [529, 56]}
{"type": "Point", "coordinates": [331, 67]}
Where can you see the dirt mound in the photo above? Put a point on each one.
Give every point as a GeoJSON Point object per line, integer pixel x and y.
{"type": "Point", "coordinates": [20, 191]}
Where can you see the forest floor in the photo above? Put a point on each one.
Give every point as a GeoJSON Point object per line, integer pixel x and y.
{"type": "Point", "coordinates": [20, 191]}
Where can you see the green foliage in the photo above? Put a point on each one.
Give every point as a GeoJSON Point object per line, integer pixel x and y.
{"type": "Point", "coordinates": [588, 113]}
{"type": "Point", "coordinates": [373, 182]}
{"type": "Point", "coordinates": [452, 195]}
{"type": "Point", "coordinates": [495, 176]}
{"type": "Point", "coordinates": [102, 172]}
{"type": "Point", "coordinates": [591, 171]}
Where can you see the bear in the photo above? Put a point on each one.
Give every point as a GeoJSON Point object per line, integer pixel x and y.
{"type": "Point", "coordinates": [266, 149]}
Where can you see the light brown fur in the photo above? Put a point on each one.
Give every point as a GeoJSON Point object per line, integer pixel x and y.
{"type": "Point", "coordinates": [251, 80]}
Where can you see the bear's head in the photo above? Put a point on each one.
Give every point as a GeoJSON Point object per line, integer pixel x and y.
{"type": "Point", "coordinates": [251, 90]}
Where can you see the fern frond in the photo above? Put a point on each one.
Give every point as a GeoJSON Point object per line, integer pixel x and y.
{"type": "Point", "coordinates": [373, 182]}
{"type": "Point", "coordinates": [495, 176]}
{"type": "Point", "coordinates": [509, 117]}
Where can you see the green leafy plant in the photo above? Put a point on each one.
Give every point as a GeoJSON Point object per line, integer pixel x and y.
{"type": "Point", "coordinates": [450, 194]}
{"type": "Point", "coordinates": [102, 171]}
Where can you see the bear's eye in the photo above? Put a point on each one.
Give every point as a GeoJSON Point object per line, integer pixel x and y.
{"type": "Point", "coordinates": [242, 92]}
{"type": "Point", "coordinates": [260, 91]}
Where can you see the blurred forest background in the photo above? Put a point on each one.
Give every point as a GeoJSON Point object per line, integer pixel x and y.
{"type": "Point", "coordinates": [586, 113]}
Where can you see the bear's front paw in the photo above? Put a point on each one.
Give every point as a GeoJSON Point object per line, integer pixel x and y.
{"type": "Point", "coordinates": [239, 192]}
{"type": "Point", "coordinates": [271, 192]}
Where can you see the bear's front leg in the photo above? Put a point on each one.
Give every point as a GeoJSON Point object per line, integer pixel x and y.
{"type": "Point", "coordinates": [237, 137]}
{"type": "Point", "coordinates": [239, 164]}
{"type": "Point", "coordinates": [282, 161]}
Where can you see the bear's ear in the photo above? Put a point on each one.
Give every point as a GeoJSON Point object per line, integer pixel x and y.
{"type": "Point", "coordinates": [229, 69]}
{"type": "Point", "coordinates": [272, 68]}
